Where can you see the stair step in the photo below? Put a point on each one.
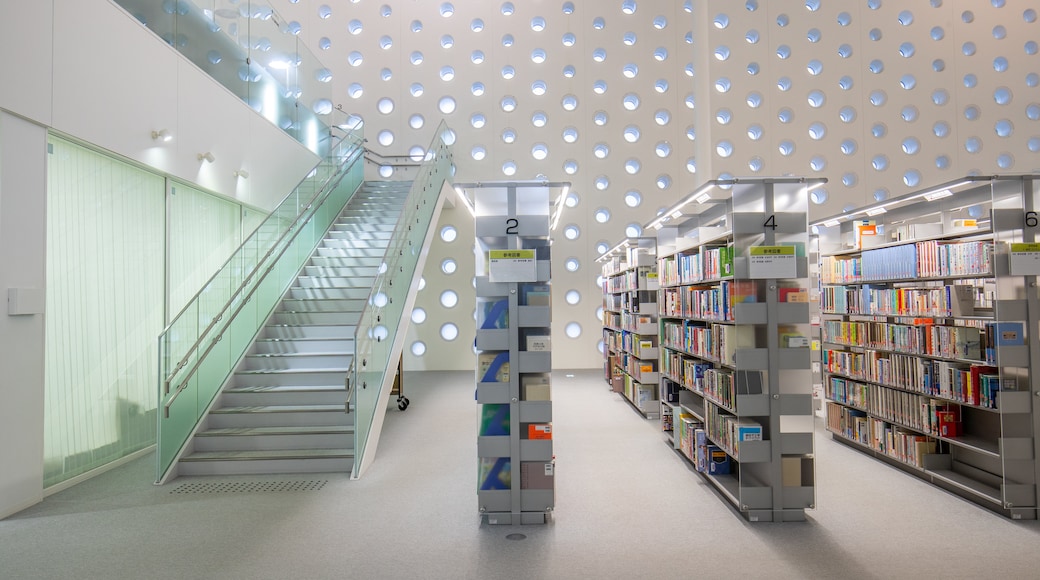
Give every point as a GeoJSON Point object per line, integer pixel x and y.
{"type": "Point", "coordinates": [336, 271]}
{"type": "Point", "coordinates": [322, 318]}
{"type": "Point", "coordinates": [287, 378]}
{"type": "Point", "coordinates": [279, 416]}
{"type": "Point", "coordinates": [304, 345]}
{"type": "Point", "coordinates": [308, 281]}
{"type": "Point", "coordinates": [351, 304]}
{"type": "Point", "coordinates": [295, 361]}
{"type": "Point", "coordinates": [275, 438]}
{"type": "Point", "coordinates": [343, 256]}
{"type": "Point", "coordinates": [329, 295]}
{"type": "Point", "coordinates": [366, 236]}
{"type": "Point", "coordinates": [260, 462]}
{"type": "Point", "coordinates": [282, 395]}
{"type": "Point", "coordinates": [308, 331]}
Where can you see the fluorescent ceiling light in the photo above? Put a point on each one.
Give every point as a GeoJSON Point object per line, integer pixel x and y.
{"type": "Point", "coordinates": [831, 223]}
{"type": "Point", "coordinates": [934, 195]}
{"type": "Point", "coordinates": [876, 211]}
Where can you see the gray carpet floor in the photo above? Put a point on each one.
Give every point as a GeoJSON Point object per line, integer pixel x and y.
{"type": "Point", "coordinates": [627, 507]}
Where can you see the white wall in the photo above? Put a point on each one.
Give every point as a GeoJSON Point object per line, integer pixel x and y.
{"type": "Point", "coordinates": [23, 174]}
{"type": "Point", "coordinates": [89, 70]}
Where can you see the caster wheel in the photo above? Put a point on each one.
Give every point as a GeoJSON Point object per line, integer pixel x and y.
{"type": "Point", "coordinates": [403, 403]}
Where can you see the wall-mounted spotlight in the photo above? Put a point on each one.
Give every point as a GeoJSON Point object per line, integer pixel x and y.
{"type": "Point", "coordinates": [207, 156]}
{"type": "Point", "coordinates": [162, 135]}
{"type": "Point", "coordinates": [242, 173]}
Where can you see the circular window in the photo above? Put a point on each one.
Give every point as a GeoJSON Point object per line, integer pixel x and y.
{"type": "Point", "coordinates": [385, 106]}
{"type": "Point", "coordinates": [663, 149]}
{"type": "Point", "coordinates": [449, 331]}
{"type": "Point", "coordinates": [416, 89]}
{"type": "Point", "coordinates": [449, 266]}
{"type": "Point", "coordinates": [570, 167]}
{"type": "Point", "coordinates": [508, 135]}
{"type": "Point", "coordinates": [572, 200]}
{"type": "Point", "coordinates": [602, 182]}
{"type": "Point", "coordinates": [449, 234]}
{"type": "Point", "coordinates": [662, 117]}
{"type": "Point", "coordinates": [569, 102]}
{"type": "Point", "coordinates": [633, 199]}
{"type": "Point", "coordinates": [601, 248]}
{"type": "Point", "coordinates": [633, 230]}
{"type": "Point", "coordinates": [508, 104]}
{"type": "Point", "coordinates": [570, 134]}
{"type": "Point", "coordinates": [631, 133]}
{"type": "Point", "coordinates": [539, 151]}
{"type": "Point", "coordinates": [572, 264]}
{"type": "Point", "coordinates": [509, 168]}
{"type": "Point", "coordinates": [478, 153]}
{"type": "Point", "coordinates": [632, 166]}
{"type": "Point", "coordinates": [385, 138]}
{"type": "Point", "coordinates": [601, 150]}
{"type": "Point", "coordinates": [446, 105]}
{"type": "Point", "coordinates": [418, 348]}
{"type": "Point", "coordinates": [447, 73]}
{"type": "Point", "coordinates": [630, 101]}
{"type": "Point", "coordinates": [602, 215]}
{"type": "Point", "coordinates": [573, 297]}
{"type": "Point", "coordinates": [573, 330]}
{"type": "Point", "coordinates": [571, 232]}
{"type": "Point", "coordinates": [449, 299]}
{"type": "Point", "coordinates": [418, 315]}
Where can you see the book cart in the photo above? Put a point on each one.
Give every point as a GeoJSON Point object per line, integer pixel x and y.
{"type": "Point", "coordinates": [516, 471]}
{"type": "Point", "coordinates": [735, 367]}
{"type": "Point", "coordinates": [929, 305]}
{"type": "Point", "coordinates": [630, 336]}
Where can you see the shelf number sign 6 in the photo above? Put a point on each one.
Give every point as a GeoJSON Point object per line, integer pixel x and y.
{"type": "Point", "coordinates": [1031, 219]}
{"type": "Point", "coordinates": [511, 226]}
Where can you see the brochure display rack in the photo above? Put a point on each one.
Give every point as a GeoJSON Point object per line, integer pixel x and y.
{"type": "Point", "coordinates": [930, 308]}
{"type": "Point", "coordinates": [516, 470]}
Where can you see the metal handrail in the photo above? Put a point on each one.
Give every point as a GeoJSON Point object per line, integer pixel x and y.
{"type": "Point", "coordinates": [348, 162]}
{"type": "Point", "coordinates": [349, 384]}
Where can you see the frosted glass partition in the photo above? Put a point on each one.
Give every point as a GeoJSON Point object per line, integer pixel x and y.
{"type": "Point", "coordinates": [249, 49]}
{"type": "Point", "coordinates": [105, 292]}
{"type": "Point", "coordinates": [203, 231]}
{"type": "Point", "coordinates": [380, 326]}
{"type": "Point", "coordinates": [201, 345]}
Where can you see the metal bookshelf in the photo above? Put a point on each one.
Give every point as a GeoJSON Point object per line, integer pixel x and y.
{"type": "Point", "coordinates": [929, 307]}
{"type": "Point", "coordinates": [735, 341]}
{"type": "Point", "coordinates": [516, 473]}
{"type": "Point", "coordinates": [630, 334]}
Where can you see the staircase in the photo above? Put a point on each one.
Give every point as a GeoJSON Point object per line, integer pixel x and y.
{"type": "Point", "coordinates": [283, 410]}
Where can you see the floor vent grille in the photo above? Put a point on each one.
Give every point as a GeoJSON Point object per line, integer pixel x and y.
{"type": "Point", "coordinates": [249, 486]}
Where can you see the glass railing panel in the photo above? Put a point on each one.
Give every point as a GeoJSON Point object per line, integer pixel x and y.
{"type": "Point", "coordinates": [275, 252]}
{"type": "Point", "coordinates": [182, 418]}
{"type": "Point", "coordinates": [253, 52]}
{"type": "Point", "coordinates": [378, 329]}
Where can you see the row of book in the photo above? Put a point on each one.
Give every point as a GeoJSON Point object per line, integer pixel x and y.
{"type": "Point", "coordinates": [611, 339]}
{"type": "Point", "coordinates": [612, 302]}
{"type": "Point", "coordinates": [970, 384]}
{"type": "Point", "coordinates": [921, 413]}
{"type": "Point", "coordinates": [715, 342]}
{"type": "Point", "coordinates": [847, 392]}
{"type": "Point", "coordinates": [727, 431]}
{"type": "Point", "coordinates": [640, 345]}
{"type": "Point", "coordinates": [688, 372]}
{"type": "Point", "coordinates": [640, 369]}
{"type": "Point", "coordinates": [897, 442]}
{"type": "Point", "coordinates": [707, 302]}
{"type": "Point", "coordinates": [635, 322]}
{"type": "Point", "coordinates": [612, 319]}
{"type": "Point", "coordinates": [924, 337]}
{"type": "Point", "coordinates": [701, 265]}
{"type": "Point", "coordinates": [850, 423]}
{"type": "Point", "coordinates": [638, 278]}
{"type": "Point", "coordinates": [694, 444]}
{"type": "Point", "coordinates": [949, 300]}
{"type": "Point", "coordinates": [641, 394]}
{"type": "Point", "coordinates": [929, 259]}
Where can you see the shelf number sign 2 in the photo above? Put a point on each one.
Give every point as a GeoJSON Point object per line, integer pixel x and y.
{"type": "Point", "coordinates": [512, 226]}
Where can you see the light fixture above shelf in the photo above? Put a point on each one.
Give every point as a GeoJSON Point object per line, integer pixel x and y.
{"type": "Point", "coordinates": [207, 156]}
{"type": "Point", "coordinates": [162, 135]}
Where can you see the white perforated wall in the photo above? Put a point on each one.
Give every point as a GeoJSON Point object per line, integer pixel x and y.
{"type": "Point", "coordinates": [878, 96]}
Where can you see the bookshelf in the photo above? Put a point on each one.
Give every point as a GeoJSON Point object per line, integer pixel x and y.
{"type": "Point", "coordinates": [929, 365]}
{"type": "Point", "coordinates": [516, 468]}
{"type": "Point", "coordinates": [735, 368]}
{"type": "Point", "coordinates": [630, 334]}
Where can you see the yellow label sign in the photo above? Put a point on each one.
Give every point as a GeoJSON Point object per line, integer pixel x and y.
{"type": "Point", "coordinates": [1023, 248]}
{"type": "Point", "coordinates": [772, 251]}
{"type": "Point", "coordinates": [511, 254]}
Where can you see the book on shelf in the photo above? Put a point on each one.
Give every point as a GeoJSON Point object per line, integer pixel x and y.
{"type": "Point", "coordinates": [494, 419]}
{"type": "Point", "coordinates": [495, 314]}
{"type": "Point", "coordinates": [534, 387]}
{"type": "Point", "coordinates": [794, 295]}
{"type": "Point", "coordinates": [535, 295]}
{"type": "Point", "coordinates": [537, 475]}
{"type": "Point", "coordinates": [494, 473]}
{"type": "Point", "coordinates": [701, 449]}
{"type": "Point", "coordinates": [493, 367]}
{"type": "Point", "coordinates": [718, 462]}
{"type": "Point", "coordinates": [539, 431]}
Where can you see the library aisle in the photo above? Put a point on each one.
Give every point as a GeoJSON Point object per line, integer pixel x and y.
{"type": "Point", "coordinates": [627, 507]}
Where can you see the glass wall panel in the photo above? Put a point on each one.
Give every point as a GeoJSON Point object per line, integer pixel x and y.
{"type": "Point", "coordinates": [105, 292]}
